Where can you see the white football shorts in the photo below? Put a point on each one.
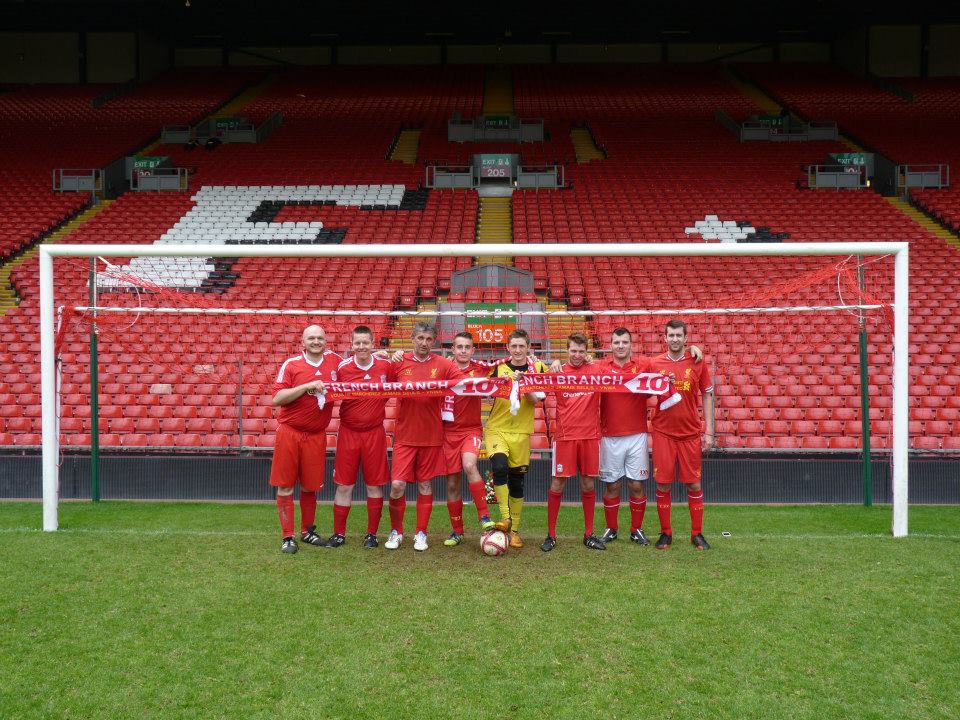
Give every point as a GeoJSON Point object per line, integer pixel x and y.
{"type": "Point", "coordinates": [625, 456]}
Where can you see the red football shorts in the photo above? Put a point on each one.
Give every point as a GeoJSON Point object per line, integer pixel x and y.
{"type": "Point", "coordinates": [669, 452]}
{"type": "Point", "coordinates": [456, 443]}
{"type": "Point", "coordinates": [298, 457]}
{"type": "Point", "coordinates": [415, 463]}
{"type": "Point", "coordinates": [356, 449]}
{"type": "Point", "coordinates": [568, 455]}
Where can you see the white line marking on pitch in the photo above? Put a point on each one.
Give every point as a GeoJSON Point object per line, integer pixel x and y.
{"type": "Point", "coordinates": [259, 533]}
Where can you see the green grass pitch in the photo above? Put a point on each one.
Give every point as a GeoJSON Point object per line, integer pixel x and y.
{"type": "Point", "coordinates": [177, 610]}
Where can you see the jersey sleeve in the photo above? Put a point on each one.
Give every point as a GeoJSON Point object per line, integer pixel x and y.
{"type": "Point", "coordinates": [284, 379]}
{"type": "Point", "coordinates": [706, 381]}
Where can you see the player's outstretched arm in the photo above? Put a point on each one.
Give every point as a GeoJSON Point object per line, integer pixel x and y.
{"type": "Point", "coordinates": [696, 353]}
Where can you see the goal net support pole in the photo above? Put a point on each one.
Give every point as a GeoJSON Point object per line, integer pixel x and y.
{"type": "Point", "coordinates": [899, 250]}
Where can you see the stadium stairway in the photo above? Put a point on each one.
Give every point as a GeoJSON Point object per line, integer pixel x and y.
{"type": "Point", "coordinates": [406, 147]}
{"type": "Point", "coordinates": [498, 92]}
{"type": "Point", "coordinates": [925, 221]}
{"type": "Point", "coordinates": [8, 298]}
{"type": "Point", "coordinates": [584, 145]}
{"type": "Point", "coordinates": [245, 97]}
{"type": "Point", "coordinates": [754, 93]}
{"type": "Point", "coordinates": [230, 108]}
{"type": "Point", "coordinates": [771, 105]}
{"type": "Point", "coordinates": [558, 328]}
{"type": "Point", "coordinates": [403, 326]}
{"type": "Point", "coordinates": [495, 225]}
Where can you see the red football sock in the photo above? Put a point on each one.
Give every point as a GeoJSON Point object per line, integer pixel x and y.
{"type": "Point", "coordinates": [397, 508]}
{"type": "Point", "coordinates": [695, 501]}
{"type": "Point", "coordinates": [308, 509]}
{"type": "Point", "coordinates": [611, 511]}
{"type": "Point", "coordinates": [424, 508]}
{"type": "Point", "coordinates": [455, 508]}
{"type": "Point", "coordinates": [589, 500]}
{"type": "Point", "coordinates": [340, 513]}
{"type": "Point", "coordinates": [663, 510]}
{"type": "Point", "coordinates": [374, 512]}
{"type": "Point", "coordinates": [285, 511]}
{"type": "Point", "coordinates": [637, 508]}
{"type": "Point", "coordinates": [479, 494]}
{"type": "Point", "coordinates": [553, 511]}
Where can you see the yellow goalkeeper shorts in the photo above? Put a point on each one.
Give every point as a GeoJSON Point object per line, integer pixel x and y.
{"type": "Point", "coordinates": [516, 446]}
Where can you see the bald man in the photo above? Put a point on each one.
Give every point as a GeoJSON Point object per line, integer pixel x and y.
{"type": "Point", "coordinates": [300, 449]}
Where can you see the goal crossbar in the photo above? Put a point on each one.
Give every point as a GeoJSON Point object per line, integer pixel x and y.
{"type": "Point", "coordinates": [467, 313]}
{"type": "Point", "coordinates": [899, 251]}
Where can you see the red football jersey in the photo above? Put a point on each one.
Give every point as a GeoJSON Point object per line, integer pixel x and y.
{"type": "Point", "coordinates": [692, 379]}
{"type": "Point", "coordinates": [466, 410]}
{"type": "Point", "coordinates": [303, 414]}
{"type": "Point", "coordinates": [624, 413]}
{"type": "Point", "coordinates": [578, 413]}
{"type": "Point", "coordinates": [418, 418]}
{"type": "Point", "coordinates": [364, 413]}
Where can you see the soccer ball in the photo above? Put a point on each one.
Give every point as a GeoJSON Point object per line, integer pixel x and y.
{"type": "Point", "coordinates": [493, 543]}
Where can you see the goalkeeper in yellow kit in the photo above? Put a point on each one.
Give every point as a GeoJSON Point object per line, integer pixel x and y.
{"type": "Point", "coordinates": [507, 437]}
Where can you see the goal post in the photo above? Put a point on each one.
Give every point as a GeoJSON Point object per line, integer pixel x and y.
{"type": "Point", "coordinates": [900, 364]}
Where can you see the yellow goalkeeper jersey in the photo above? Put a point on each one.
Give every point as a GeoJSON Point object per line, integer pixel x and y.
{"type": "Point", "coordinates": [500, 418]}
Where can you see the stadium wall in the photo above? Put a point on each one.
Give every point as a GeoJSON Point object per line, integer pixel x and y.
{"type": "Point", "coordinates": [297, 55]}
{"type": "Point", "coordinates": [155, 55]}
{"type": "Point", "coordinates": [706, 52]}
{"type": "Point", "coordinates": [494, 54]}
{"type": "Point", "coordinates": [43, 57]}
{"type": "Point", "coordinates": [389, 55]}
{"type": "Point", "coordinates": [944, 53]}
{"type": "Point", "coordinates": [727, 479]}
{"type": "Point", "coordinates": [198, 57]}
{"type": "Point", "coordinates": [794, 52]}
{"type": "Point", "coordinates": [894, 50]}
{"type": "Point", "coordinates": [613, 53]}
{"type": "Point", "coordinates": [111, 57]}
{"type": "Point", "coordinates": [850, 50]}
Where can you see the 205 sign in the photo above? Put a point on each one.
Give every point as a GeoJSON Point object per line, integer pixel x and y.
{"type": "Point", "coordinates": [496, 166]}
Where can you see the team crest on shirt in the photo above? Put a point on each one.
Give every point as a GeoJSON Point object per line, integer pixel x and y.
{"type": "Point", "coordinates": [433, 373]}
{"type": "Point", "coordinates": [687, 373]}
{"type": "Point", "coordinates": [560, 467]}
{"type": "Point", "coordinates": [383, 378]}
{"type": "Point", "coordinates": [408, 371]}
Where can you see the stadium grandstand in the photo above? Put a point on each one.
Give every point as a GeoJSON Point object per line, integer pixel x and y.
{"type": "Point", "coordinates": [633, 143]}
{"type": "Point", "coordinates": [213, 213]}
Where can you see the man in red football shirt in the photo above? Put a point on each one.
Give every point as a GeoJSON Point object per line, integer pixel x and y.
{"type": "Point", "coordinates": [361, 440]}
{"type": "Point", "coordinates": [677, 442]}
{"type": "Point", "coordinates": [300, 448]}
{"type": "Point", "coordinates": [462, 438]}
{"type": "Point", "coordinates": [576, 446]}
{"type": "Point", "coordinates": [624, 444]}
{"type": "Point", "coordinates": [418, 439]}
